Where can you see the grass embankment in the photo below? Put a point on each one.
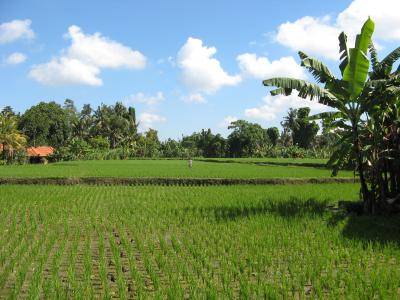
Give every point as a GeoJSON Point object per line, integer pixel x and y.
{"type": "Point", "coordinates": [165, 169]}
{"type": "Point", "coordinates": [198, 242]}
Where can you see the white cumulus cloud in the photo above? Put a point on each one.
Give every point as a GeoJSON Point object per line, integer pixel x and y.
{"type": "Point", "coordinates": [194, 98]}
{"type": "Point", "coordinates": [319, 35]}
{"type": "Point", "coordinates": [14, 30]}
{"type": "Point", "coordinates": [312, 35]}
{"type": "Point", "coordinates": [147, 120]}
{"type": "Point", "coordinates": [15, 58]}
{"type": "Point", "coordinates": [83, 61]}
{"type": "Point", "coordinates": [66, 71]}
{"type": "Point", "coordinates": [201, 72]}
{"type": "Point", "coordinates": [102, 52]}
{"type": "Point", "coordinates": [147, 99]}
{"type": "Point", "coordinates": [385, 14]}
{"type": "Point", "coordinates": [275, 105]}
{"type": "Point", "coordinates": [263, 68]}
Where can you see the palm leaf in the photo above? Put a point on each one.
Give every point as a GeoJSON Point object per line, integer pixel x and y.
{"type": "Point", "coordinates": [344, 52]}
{"type": "Point", "coordinates": [356, 71]}
{"type": "Point", "coordinates": [306, 90]}
{"type": "Point", "coordinates": [281, 91]}
{"type": "Point", "coordinates": [374, 57]}
{"type": "Point", "coordinates": [341, 124]}
{"type": "Point", "coordinates": [338, 88]}
{"type": "Point", "coordinates": [390, 59]}
{"type": "Point", "coordinates": [320, 71]}
{"type": "Point", "coordinates": [341, 155]}
{"type": "Point", "coordinates": [326, 115]}
{"type": "Point", "coordinates": [302, 55]}
{"type": "Point", "coordinates": [376, 83]}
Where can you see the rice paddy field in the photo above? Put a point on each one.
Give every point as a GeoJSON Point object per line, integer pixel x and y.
{"type": "Point", "coordinates": [239, 168]}
{"type": "Point", "coordinates": [197, 242]}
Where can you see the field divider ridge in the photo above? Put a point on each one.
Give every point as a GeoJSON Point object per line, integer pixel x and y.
{"type": "Point", "coordinates": [167, 181]}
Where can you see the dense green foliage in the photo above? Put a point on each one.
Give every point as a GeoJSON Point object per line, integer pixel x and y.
{"type": "Point", "coordinates": [200, 242]}
{"type": "Point", "coordinates": [11, 139]}
{"type": "Point", "coordinates": [247, 139]}
{"type": "Point", "coordinates": [205, 143]}
{"type": "Point", "coordinates": [366, 116]}
{"type": "Point", "coordinates": [110, 132]}
{"type": "Point", "coordinates": [273, 135]}
{"type": "Point", "coordinates": [45, 124]}
{"type": "Point", "coordinates": [303, 132]}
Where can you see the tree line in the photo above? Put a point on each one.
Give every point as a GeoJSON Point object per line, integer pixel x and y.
{"type": "Point", "coordinates": [111, 132]}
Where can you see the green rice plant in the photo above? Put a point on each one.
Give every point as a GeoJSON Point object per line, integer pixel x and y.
{"type": "Point", "coordinates": [147, 263]}
{"type": "Point", "coordinates": [74, 287]}
{"type": "Point", "coordinates": [26, 262]}
{"type": "Point", "coordinates": [118, 267]}
{"type": "Point", "coordinates": [103, 265]}
{"type": "Point", "coordinates": [233, 168]}
{"type": "Point", "coordinates": [269, 242]}
{"type": "Point", "coordinates": [37, 276]}
{"type": "Point", "coordinates": [137, 278]}
{"type": "Point", "coordinates": [87, 263]}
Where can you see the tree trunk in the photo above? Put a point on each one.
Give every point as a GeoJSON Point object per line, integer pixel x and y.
{"type": "Point", "coordinates": [368, 202]}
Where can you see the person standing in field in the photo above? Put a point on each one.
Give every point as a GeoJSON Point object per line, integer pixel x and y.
{"type": "Point", "coordinates": [190, 163]}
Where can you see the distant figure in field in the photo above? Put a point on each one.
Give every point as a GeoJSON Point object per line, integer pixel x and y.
{"type": "Point", "coordinates": [190, 163]}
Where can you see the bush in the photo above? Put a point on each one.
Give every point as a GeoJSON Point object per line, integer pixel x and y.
{"type": "Point", "coordinates": [61, 154]}
{"type": "Point", "coordinates": [20, 157]}
{"type": "Point", "coordinates": [99, 143]}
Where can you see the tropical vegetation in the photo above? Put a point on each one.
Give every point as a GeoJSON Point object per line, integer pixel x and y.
{"type": "Point", "coordinates": [11, 139]}
{"type": "Point", "coordinates": [365, 104]}
{"type": "Point", "coordinates": [111, 132]}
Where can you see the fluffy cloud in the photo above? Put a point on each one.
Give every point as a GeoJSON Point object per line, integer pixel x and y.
{"type": "Point", "coordinates": [147, 99]}
{"type": "Point", "coordinates": [263, 68]}
{"type": "Point", "coordinates": [14, 30]}
{"type": "Point", "coordinates": [15, 58]}
{"type": "Point", "coordinates": [147, 120]}
{"type": "Point", "coordinates": [385, 14]}
{"type": "Point", "coordinates": [102, 52]}
{"type": "Point", "coordinates": [311, 35]}
{"type": "Point", "coordinates": [82, 62]}
{"type": "Point", "coordinates": [194, 98]}
{"type": "Point", "coordinates": [227, 121]}
{"type": "Point", "coordinates": [275, 105]}
{"type": "Point", "coordinates": [201, 72]}
{"type": "Point", "coordinates": [66, 71]}
{"type": "Point", "coordinates": [318, 36]}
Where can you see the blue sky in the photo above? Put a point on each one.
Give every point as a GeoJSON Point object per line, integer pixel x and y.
{"type": "Point", "coordinates": [184, 65]}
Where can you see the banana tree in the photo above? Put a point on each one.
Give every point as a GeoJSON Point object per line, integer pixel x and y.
{"type": "Point", "coordinates": [344, 95]}
{"type": "Point", "coordinates": [381, 99]}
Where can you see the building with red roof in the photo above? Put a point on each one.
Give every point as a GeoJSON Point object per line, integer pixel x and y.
{"type": "Point", "coordinates": [42, 151]}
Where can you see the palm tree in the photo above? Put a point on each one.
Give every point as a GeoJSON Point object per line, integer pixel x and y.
{"type": "Point", "coordinates": [10, 137]}
{"type": "Point", "coordinates": [344, 95]}
{"type": "Point", "coordinates": [290, 121]}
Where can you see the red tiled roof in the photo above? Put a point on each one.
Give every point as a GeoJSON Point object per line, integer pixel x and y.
{"type": "Point", "coordinates": [42, 151]}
